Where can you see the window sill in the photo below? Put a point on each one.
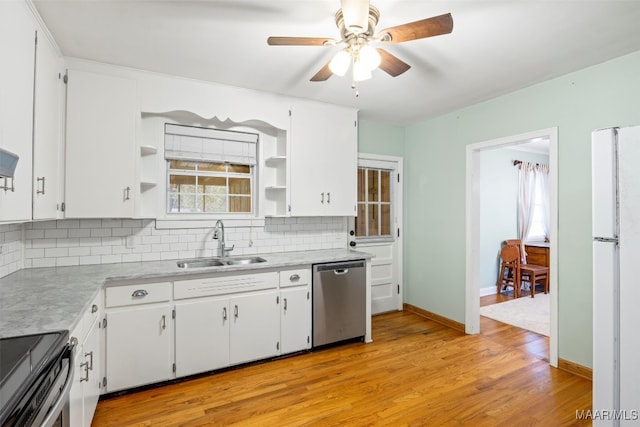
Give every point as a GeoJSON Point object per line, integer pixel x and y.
{"type": "Point", "coordinates": [229, 221]}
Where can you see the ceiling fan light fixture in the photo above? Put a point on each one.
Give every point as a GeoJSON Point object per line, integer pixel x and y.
{"type": "Point", "coordinates": [360, 72]}
{"type": "Point", "coordinates": [340, 63]}
{"type": "Point", "coordinates": [356, 15]}
{"type": "Point", "coordinates": [370, 57]}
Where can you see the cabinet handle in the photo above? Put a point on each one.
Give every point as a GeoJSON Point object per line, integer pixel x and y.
{"type": "Point", "coordinates": [90, 354]}
{"type": "Point", "coordinates": [127, 193]}
{"type": "Point", "coordinates": [285, 304]}
{"type": "Point", "coordinates": [322, 200]}
{"type": "Point", "coordinates": [294, 277]}
{"type": "Point", "coordinates": [94, 308]}
{"type": "Point", "coordinates": [328, 197]}
{"type": "Point", "coordinates": [85, 366]}
{"type": "Point", "coordinates": [6, 187]}
{"type": "Point", "coordinates": [139, 293]}
{"type": "Point", "coordinates": [39, 180]}
{"type": "Point", "coordinates": [235, 311]}
{"type": "Point", "coordinates": [164, 322]}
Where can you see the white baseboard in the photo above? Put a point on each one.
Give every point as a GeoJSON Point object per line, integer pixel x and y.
{"type": "Point", "coordinates": [492, 290]}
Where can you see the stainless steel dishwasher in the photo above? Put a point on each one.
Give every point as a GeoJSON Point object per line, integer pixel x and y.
{"type": "Point", "coordinates": [339, 301]}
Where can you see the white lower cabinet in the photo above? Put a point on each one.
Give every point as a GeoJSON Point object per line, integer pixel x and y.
{"type": "Point", "coordinates": [202, 335]}
{"type": "Point", "coordinates": [87, 378]}
{"type": "Point", "coordinates": [139, 343]}
{"type": "Point", "coordinates": [138, 335]}
{"type": "Point", "coordinates": [295, 310]}
{"type": "Point", "coordinates": [156, 332]}
{"type": "Point", "coordinates": [255, 326]}
{"type": "Point", "coordinates": [295, 320]}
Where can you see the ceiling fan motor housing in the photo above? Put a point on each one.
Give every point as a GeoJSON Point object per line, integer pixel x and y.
{"type": "Point", "coordinates": [374, 16]}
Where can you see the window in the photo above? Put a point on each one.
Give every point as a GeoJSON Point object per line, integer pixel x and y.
{"type": "Point", "coordinates": [537, 231]}
{"type": "Point", "coordinates": [375, 217]}
{"type": "Point", "coordinates": [209, 170]}
{"type": "Point", "coordinates": [206, 187]}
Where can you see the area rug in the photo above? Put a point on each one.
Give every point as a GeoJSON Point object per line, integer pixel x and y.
{"type": "Point", "coordinates": [527, 313]}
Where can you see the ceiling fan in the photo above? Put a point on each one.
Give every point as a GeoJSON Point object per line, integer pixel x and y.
{"type": "Point", "coordinates": [356, 20]}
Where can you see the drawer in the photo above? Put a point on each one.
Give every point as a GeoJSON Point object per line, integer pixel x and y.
{"type": "Point", "coordinates": [89, 317]}
{"type": "Point", "coordinates": [296, 277]}
{"type": "Point", "coordinates": [117, 296]}
{"type": "Point", "coordinates": [224, 284]}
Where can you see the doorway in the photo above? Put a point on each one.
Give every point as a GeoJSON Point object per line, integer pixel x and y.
{"type": "Point", "coordinates": [378, 227]}
{"type": "Point", "coordinates": [473, 230]}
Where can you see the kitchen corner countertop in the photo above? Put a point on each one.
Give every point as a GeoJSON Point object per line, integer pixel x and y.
{"type": "Point", "coordinates": [54, 298]}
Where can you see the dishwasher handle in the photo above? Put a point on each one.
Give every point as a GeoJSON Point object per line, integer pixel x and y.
{"type": "Point", "coordinates": [341, 272]}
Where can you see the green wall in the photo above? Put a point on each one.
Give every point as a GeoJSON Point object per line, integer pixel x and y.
{"type": "Point", "coordinates": [604, 95]}
{"type": "Point", "coordinates": [377, 138]}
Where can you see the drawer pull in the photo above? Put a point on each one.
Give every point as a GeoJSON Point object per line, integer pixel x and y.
{"type": "Point", "coordinates": [139, 293]}
{"type": "Point", "coordinates": [164, 322]}
{"type": "Point", "coordinates": [294, 277]}
{"type": "Point", "coordinates": [224, 313]}
{"type": "Point", "coordinates": [85, 366]}
{"type": "Point", "coordinates": [94, 308]}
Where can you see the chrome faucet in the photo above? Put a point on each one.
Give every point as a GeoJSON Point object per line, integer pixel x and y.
{"type": "Point", "coordinates": [218, 233]}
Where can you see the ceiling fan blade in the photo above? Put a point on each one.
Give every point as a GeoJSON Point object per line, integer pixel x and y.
{"type": "Point", "coordinates": [322, 75]}
{"type": "Point", "coordinates": [428, 27]}
{"type": "Point", "coordinates": [299, 41]}
{"type": "Point", "coordinates": [391, 64]}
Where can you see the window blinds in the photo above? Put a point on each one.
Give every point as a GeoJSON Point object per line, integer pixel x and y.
{"type": "Point", "coordinates": [213, 145]}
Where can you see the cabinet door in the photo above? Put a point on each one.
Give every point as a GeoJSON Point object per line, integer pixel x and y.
{"type": "Point", "coordinates": [46, 130]}
{"type": "Point", "coordinates": [138, 342]}
{"type": "Point", "coordinates": [295, 320]}
{"type": "Point", "coordinates": [17, 50]}
{"type": "Point", "coordinates": [102, 113]}
{"type": "Point", "coordinates": [202, 336]}
{"type": "Point", "coordinates": [91, 355]}
{"type": "Point", "coordinates": [341, 145]}
{"type": "Point", "coordinates": [308, 159]}
{"type": "Point", "coordinates": [255, 326]}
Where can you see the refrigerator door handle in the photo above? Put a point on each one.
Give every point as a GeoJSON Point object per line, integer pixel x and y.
{"type": "Point", "coordinates": [606, 239]}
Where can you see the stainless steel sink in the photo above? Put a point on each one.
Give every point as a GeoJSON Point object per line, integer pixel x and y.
{"type": "Point", "coordinates": [242, 261]}
{"type": "Point", "coordinates": [219, 262]}
{"type": "Point", "coordinates": [200, 263]}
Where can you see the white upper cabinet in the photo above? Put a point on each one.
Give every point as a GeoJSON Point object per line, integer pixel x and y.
{"type": "Point", "coordinates": [323, 158]}
{"type": "Point", "coordinates": [17, 50]}
{"type": "Point", "coordinates": [48, 107]}
{"type": "Point", "coordinates": [102, 118]}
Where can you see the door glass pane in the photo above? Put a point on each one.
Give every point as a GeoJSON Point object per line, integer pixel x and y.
{"type": "Point", "coordinates": [239, 168]}
{"type": "Point", "coordinates": [385, 187]}
{"type": "Point", "coordinates": [372, 185]}
{"type": "Point", "coordinates": [213, 203]}
{"type": "Point", "coordinates": [361, 229]}
{"type": "Point", "coordinates": [212, 167]}
{"type": "Point", "coordinates": [361, 186]}
{"type": "Point", "coordinates": [373, 220]}
{"type": "Point", "coordinates": [212, 184]}
{"type": "Point", "coordinates": [386, 220]}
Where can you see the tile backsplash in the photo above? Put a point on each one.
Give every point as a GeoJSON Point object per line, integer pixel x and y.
{"type": "Point", "coordinates": [10, 248]}
{"type": "Point", "coordinates": [103, 241]}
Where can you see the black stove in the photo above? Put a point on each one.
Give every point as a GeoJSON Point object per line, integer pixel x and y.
{"type": "Point", "coordinates": [29, 368]}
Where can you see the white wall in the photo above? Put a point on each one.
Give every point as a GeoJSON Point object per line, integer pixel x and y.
{"type": "Point", "coordinates": [498, 207]}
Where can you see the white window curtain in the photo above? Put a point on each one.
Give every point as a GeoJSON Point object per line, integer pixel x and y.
{"type": "Point", "coordinates": [532, 178]}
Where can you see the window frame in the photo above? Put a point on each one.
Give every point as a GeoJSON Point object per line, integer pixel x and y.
{"type": "Point", "coordinates": [391, 237]}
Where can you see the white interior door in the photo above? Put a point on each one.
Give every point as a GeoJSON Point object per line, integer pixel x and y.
{"type": "Point", "coordinates": [377, 228]}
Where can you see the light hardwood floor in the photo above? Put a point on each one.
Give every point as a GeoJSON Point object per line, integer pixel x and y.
{"type": "Point", "coordinates": [416, 372]}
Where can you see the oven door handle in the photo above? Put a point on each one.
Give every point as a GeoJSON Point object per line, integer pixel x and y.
{"type": "Point", "coordinates": [52, 415]}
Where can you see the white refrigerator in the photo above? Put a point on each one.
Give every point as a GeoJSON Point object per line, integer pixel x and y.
{"type": "Point", "coordinates": [616, 276]}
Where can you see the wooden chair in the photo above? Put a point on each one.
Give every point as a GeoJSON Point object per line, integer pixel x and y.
{"type": "Point", "coordinates": [510, 269]}
{"type": "Point", "coordinates": [531, 273]}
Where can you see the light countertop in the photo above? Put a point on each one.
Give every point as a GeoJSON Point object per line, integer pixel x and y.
{"type": "Point", "coordinates": [48, 299]}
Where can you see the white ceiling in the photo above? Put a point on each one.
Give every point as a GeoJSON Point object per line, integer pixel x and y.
{"type": "Point", "coordinates": [495, 47]}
